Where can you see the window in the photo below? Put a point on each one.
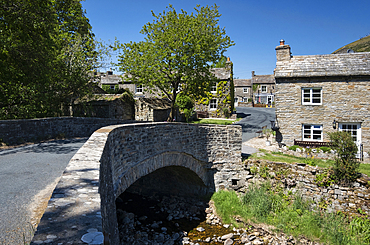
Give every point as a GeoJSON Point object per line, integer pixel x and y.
{"type": "Point", "coordinates": [245, 90]}
{"type": "Point", "coordinates": [245, 99]}
{"type": "Point", "coordinates": [213, 104]}
{"type": "Point", "coordinates": [236, 100]}
{"type": "Point", "coordinates": [311, 96]}
{"type": "Point", "coordinates": [264, 89]}
{"type": "Point", "coordinates": [214, 88]}
{"type": "Point", "coordinates": [112, 87]}
{"type": "Point", "coordinates": [139, 89]}
{"type": "Point", "coordinates": [312, 132]}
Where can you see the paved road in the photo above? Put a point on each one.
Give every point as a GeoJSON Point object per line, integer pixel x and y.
{"type": "Point", "coordinates": [253, 118]}
{"type": "Point", "coordinates": [27, 176]}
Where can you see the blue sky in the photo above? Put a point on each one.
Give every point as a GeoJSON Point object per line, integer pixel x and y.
{"type": "Point", "coordinates": [309, 26]}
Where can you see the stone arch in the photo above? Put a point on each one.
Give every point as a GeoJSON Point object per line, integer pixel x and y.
{"type": "Point", "coordinates": [161, 160]}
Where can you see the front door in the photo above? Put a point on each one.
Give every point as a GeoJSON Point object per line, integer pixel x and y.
{"type": "Point", "coordinates": [355, 130]}
{"type": "Point", "coordinates": [270, 99]}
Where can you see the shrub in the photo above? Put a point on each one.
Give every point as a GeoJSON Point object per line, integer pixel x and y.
{"type": "Point", "coordinates": [186, 105]}
{"type": "Point", "coordinates": [346, 163]}
{"type": "Point", "coordinates": [294, 147]}
{"type": "Point", "coordinates": [325, 149]}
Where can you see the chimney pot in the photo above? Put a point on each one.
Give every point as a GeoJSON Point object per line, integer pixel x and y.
{"type": "Point", "coordinates": [228, 59]}
{"type": "Point", "coordinates": [282, 42]}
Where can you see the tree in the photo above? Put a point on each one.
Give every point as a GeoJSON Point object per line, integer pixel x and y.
{"type": "Point", "coordinates": [177, 53]}
{"type": "Point", "coordinates": [47, 51]}
{"type": "Point", "coordinates": [346, 163]}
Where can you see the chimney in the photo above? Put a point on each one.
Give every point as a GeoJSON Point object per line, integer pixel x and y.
{"type": "Point", "coordinates": [229, 66]}
{"type": "Point", "coordinates": [283, 51]}
{"type": "Point", "coordinates": [253, 74]}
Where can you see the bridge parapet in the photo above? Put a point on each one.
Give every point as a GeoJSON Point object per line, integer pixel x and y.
{"type": "Point", "coordinates": [122, 154]}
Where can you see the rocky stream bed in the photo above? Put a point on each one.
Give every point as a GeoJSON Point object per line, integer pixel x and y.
{"type": "Point", "coordinates": [178, 220]}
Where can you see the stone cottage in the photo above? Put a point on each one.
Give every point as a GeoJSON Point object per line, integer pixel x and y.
{"type": "Point", "coordinates": [220, 99]}
{"type": "Point", "coordinates": [263, 89]}
{"type": "Point", "coordinates": [243, 92]}
{"type": "Point", "coordinates": [317, 94]}
{"type": "Point", "coordinates": [152, 109]}
{"type": "Point", "coordinates": [119, 106]}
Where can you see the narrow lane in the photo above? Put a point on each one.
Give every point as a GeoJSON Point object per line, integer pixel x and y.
{"type": "Point", "coordinates": [27, 177]}
{"type": "Point", "coordinates": [254, 118]}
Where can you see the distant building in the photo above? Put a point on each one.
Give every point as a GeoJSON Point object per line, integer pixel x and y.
{"type": "Point", "coordinates": [263, 89]}
{"type": "Point", "coordinates": [243, 92]}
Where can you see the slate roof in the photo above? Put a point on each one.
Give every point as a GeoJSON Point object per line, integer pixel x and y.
{"type": "Point", "coordinates": [156, 103]}
{"type": "Point", "coordinates": [221, 73]}
{"type": "Point", "coordinates": [242, 82]}
{"type": "Point", "coordinates": [349, 64]}
{"type": "Point", "coordinates": [111, 79]}
{"type": "Point", "coordinates": [263, 79]}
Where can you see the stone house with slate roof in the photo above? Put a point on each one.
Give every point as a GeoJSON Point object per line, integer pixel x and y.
{"type": "Point", "coordinates": [243, 92]}
{"type": "Point", "coordinates": [220, 99]}
{"type": "Point", "coordinates": [317, 94]}
{"type": "Point", "coordinates": [263, 89]}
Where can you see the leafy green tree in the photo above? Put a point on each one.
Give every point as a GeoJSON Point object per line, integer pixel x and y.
{"type": "Point", "coordinates": [346, 163]}
{"type": "Point", "coordinates": [177, 53]}
{"type": "Point", "coordinates": [47, 51]}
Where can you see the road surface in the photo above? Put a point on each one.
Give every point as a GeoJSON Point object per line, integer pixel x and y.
{"type": "Point", "coordinates": [28, 176]}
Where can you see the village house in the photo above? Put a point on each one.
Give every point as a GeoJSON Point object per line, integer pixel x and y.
{"type": "Point", "coordinates": [218, 103]}
{"type": "Point", "coordinates": [243, 92]}
{"type": "Point", "coordinates": [318, 94]}
{"type": "Point", "coordinates": [220, 99]}
{"type": "Point", "coordinates": [263, 89]}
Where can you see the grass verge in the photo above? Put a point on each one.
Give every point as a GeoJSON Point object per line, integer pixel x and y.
{"type": "Point", "coordinates": [289, 213]}
{"type": "Point", "coordinates": [323, 163]}
{"type": "Point", "coordinates": [215, 121]}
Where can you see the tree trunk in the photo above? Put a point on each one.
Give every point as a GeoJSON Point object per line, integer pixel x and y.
{"type": "Point", "coordinates": [172, 115]}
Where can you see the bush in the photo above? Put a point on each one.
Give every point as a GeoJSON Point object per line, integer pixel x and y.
{"type": "Point", "coordinates": [186, 105]}
{"type": "Point", "coordinates": [346, 164]}
{"type": "Point", "coordinates": [325, 149]}
{"type": "Point", "coordinates": [294, 147]}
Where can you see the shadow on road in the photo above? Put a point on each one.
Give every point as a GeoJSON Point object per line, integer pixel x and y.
{"type": "Point", "coordinates": [55, 147]}
{"type": "Point", "coordinates": [242, 115]}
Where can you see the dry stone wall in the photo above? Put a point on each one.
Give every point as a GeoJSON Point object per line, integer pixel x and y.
{"type": "Point", "coordinates": [30, 130]}
{"type": "Point", "coordinates": [298, 178]}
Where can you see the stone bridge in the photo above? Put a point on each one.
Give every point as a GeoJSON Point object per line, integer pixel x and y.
{"type": "Point", "coordinates": [115, 158]}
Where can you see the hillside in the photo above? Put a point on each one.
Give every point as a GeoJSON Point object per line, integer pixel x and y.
{"type": "Point", "coordinates": [361, 45]}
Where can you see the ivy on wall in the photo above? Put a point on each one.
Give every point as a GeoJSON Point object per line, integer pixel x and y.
{"type": "Point", "coordinates": [224, 95]}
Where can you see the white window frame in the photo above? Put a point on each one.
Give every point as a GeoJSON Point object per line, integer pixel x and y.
{"type": "Point", "coordinates": [311, 96]}
{"type": "Point", "coordinates": [309, 132]}
{"type": "Point", "coordinates": [212, 104]}
{"type": "Point", "coordinates": [245, 99]}
{"type": "Point", "coordinates": [214, 88]}
{"type": "Point", "coordinates": [139, 89]}
{"type": "Point", "coordinates": [263, 88]}
{"type": "Point", "coordinates": [245, 90]}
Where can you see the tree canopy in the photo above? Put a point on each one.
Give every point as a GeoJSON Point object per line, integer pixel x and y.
{"type": "Point", "coordinates": [177, 52]}
{"type": "Point", "coordinates": [47, 51]}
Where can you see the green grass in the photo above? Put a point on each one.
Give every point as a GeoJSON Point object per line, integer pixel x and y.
{"type": "Point", "coordinates": [289, 213]}
{"type": "Point", "coordinates": [215, 121]}
{"type": "Point", "coordinates": [365, 169]}
{"type": "Point", "coordinates": [323, 163]}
